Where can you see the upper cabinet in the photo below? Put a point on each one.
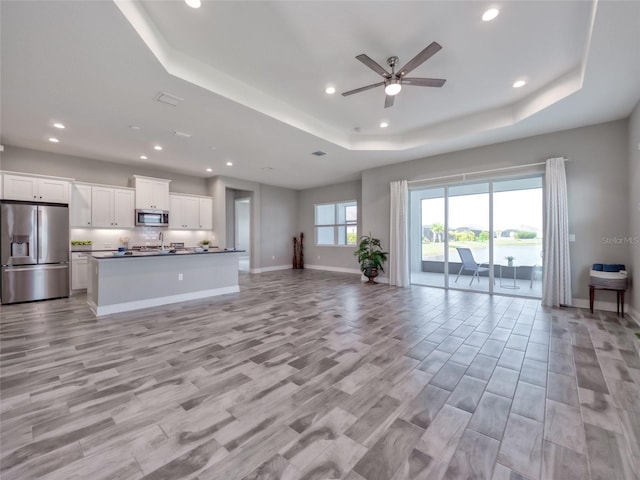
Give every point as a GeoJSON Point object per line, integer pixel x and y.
{"type": "Point", "coordinates": [102, 206]}
{"type": "Point", "coordinates": [38, 189]}
{"type": "Point", "coordinates": [151, 193]}
{"type": "Point", "coordinates": [206, 214]}
{"type": "Point", "coordinates": [189, 212]}
{"type": "Point", "coordinates": [80, 205]}
{"type": "Point", "coordinates": [112, 207]}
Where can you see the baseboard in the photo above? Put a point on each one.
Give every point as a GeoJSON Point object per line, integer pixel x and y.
{"type": "Point", "coordinates": [634, 314]}
{"type": "Point", "coordinates": [271, 269]}
{"type": "Point", "coordinates": [334, 269]}
{"type": "Point", "coordinates": [597, 305]}
{"type": "Point", "coordinates": [99, 311]}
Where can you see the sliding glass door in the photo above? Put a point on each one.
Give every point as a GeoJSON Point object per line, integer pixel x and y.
{"type": "Point", "coordinates": [468, 233]}
{"type": "Point", "coordinates": [428, 229]}
{"type": "Point", "coordinates": [483, 236]}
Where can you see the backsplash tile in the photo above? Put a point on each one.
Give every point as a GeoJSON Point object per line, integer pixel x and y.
{"type": "Point", "coordinates": [113, 238]}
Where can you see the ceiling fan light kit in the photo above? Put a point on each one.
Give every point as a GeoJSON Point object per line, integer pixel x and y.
{"type": "Point", "coordinates": [393, 81]}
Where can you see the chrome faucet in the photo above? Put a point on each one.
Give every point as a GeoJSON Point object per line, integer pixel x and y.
{"type": "Point", "coordinates": [161, 238]}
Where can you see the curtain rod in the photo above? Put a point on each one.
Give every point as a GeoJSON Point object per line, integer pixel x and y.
{"type": "Point", "coordinates": [463, 175]}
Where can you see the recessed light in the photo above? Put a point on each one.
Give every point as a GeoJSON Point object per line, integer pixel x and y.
{"type": "Point", "coordinates": [229, 164]}
{"type": "Point", "coordinates": [54, 140]}
{"type": "Point", "coordinates": [213, 148]}
{"type": "Point", "coordinates": [157, 147]}
{"type": "Point", "coordinates": [384, 125]}
{"type": "Point", "coordinates": [59, 125]}
{"type": "Point", "coordinates": [330, 90]}
{"type": "Point", "coordinates": [490, 14]}
{"type": "Point", "coordinates": [143, 157]}
{"type": "Point", "coordinates": [519, 83]}
{"type": "Point", "coordinates": [209, 169]}
{"type": "Point", "coordinates": [193, 3]}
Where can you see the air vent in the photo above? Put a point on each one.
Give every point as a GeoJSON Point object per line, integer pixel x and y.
{"type": "Point", "coordinates": [182, 134]}
{"type": "Point", "coordinates": [319, 153]}
{"type": "Point", "coordinates": [164, 97]}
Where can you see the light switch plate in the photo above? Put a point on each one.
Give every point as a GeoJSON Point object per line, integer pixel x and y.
{"type": "Point", "coordinates": [572, 237]}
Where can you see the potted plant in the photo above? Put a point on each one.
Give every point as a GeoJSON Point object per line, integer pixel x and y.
{"type": "Point", "coordinates": [205, 244]}
{"type": "Point", "coordinates": [370, 256]}
{"type": "Point", "coordinates": [509, 260]}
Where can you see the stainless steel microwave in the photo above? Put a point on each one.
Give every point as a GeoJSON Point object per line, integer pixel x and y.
{"type": "Point", "coordinates": [152, 218]}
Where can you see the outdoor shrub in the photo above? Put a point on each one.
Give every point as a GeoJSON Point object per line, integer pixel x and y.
{"type": "Point", "coordinates": [524, 235]}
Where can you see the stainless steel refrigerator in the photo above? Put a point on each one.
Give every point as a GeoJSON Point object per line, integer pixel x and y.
{"type": "Point", "coordinates": [34, 251]}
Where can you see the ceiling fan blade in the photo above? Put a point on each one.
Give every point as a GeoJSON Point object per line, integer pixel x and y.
{"type": "Point", "coordinates": [420, 58]}
{"type": "Point", "coordinates": [388, 102]}
{"type": "Point", "coordinates": [362, 89]}
{"type": "Point", "coordinates": [369, 62]}
{"type": "Point", "coordinates": [424, 82]}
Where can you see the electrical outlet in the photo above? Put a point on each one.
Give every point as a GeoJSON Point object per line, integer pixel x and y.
{"type": "Point", "coordinates": [180, 277]}
{"type": "Point", "coordinates": [572, 237]}
{"type": "Point", "coordinates": [273, 257]}
{"type": "Point", "coordinates": [318, 257]}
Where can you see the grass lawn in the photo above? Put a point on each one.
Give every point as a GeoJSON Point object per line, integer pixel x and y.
{"type": "Point", "coordinates": [527, 250]}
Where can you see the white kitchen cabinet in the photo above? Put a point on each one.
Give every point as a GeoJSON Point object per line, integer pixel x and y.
{"type": "Point", "coordinates": [206, 213]}
{"type": "Point", "coordinates": [39, 189]}
{"type": "Point", "coordinates": [152, 193]}
{"type": "Point", "coordinates": [81, 205]}
{"type": "Point", "coordinates": [79, 272]}
{"type": "Point", "coordinates": [123, 208]}
{"type": "Point", "coordinates": [185, 212]}
{"type": "Point", "coordinates": [112, 207]}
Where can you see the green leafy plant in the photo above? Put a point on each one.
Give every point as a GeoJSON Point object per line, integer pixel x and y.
{"type": "Point", "coordinates": [81, 242]}
{"type": "Point", "coordinates": [370, 256]}
{"type": "Point", "coordinates": [509, 258]}
{"type": "Point", "coordinates": [205, 242]}
{"type": "Point", "coordinates": [523, 234]}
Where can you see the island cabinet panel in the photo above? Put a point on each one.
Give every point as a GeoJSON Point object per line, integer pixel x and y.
{"type": "Point", "coordinates": [123, 283]}
{"type": "Point", "coordinates": [152, 193]}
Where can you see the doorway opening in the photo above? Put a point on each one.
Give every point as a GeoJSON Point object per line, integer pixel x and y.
{"type": "Point", "coordinates": [242, 231]}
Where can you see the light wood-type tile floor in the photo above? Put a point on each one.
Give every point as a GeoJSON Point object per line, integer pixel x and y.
{"type": "Point", "coordinates": [312, 375]}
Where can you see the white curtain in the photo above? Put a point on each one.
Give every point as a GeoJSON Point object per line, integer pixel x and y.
{"type": "Point", "coordinates": [556, 277]}
{"type": "Point", "coordinates": [399, 238]}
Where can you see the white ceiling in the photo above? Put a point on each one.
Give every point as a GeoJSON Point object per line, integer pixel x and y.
{"type": "Point", "coordinates": [252, 77]}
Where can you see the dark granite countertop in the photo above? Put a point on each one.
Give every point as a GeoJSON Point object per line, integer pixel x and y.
{"type": "Point", "coordinates": [157, 253]}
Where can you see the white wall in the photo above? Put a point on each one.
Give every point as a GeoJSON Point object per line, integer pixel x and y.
{"type": "Point", "coordinates": [81, 169]}
{"type": "Point", "coordinates": [336, 257]}
{"type": "Point", "coordinates": [273, 219]}
{"type": "Point", "coordinates": [597, 184]}
{"type": "Point", "coordinates": [634, 209]}
{"type": "Point", "coordinates": [279, 210]}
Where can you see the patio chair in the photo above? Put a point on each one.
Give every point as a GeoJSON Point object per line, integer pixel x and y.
{"type": "Point", "coordinates": [470, 265]}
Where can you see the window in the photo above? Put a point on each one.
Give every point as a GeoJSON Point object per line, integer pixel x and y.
{"type": "Point", "coordinates": [336, 223]}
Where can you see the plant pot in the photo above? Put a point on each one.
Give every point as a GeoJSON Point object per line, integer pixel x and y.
{"type": "Point", "coordinates": [205, 248]}
{"type": "Point", "coordinates": [371, 274]}
{"type": "Point", "coordinates": [510, 263]}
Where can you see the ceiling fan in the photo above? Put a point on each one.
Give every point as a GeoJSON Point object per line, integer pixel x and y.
{"type": "Point", "coordinates": [393, 81]}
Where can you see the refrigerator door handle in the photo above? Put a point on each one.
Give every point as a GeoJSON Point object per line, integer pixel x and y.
{"type": "Point", "coordinates": [27, 268]}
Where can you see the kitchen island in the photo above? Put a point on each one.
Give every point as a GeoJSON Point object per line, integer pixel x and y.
{"type": "Point", "coordinates": [149, 279]}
